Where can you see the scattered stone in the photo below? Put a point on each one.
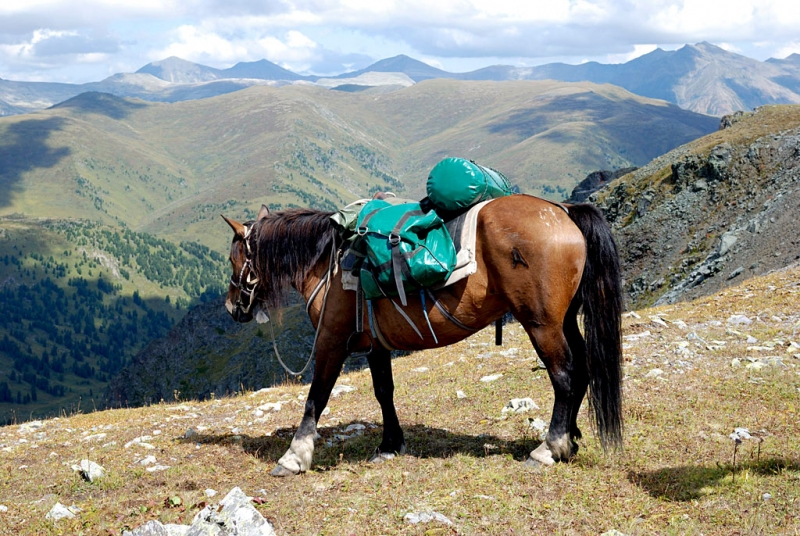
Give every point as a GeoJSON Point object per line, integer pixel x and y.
{"type": "Point", "coordinates": [237, 516]}
{"type": "Point", "coordinates": [426, 517]}
{"type": "Point", "coordinates": [59, 511]}
{"type": "Point", "coordinates": [3, 508]}
{"type": "Point", "coordinates": [655, 373]}
{"type": "Point", "coordinates": [631, 314]}
{"type": "Point", "coordinates": [511, 352]}
{"type": "Point", "coordinates": [94, 437]}
{"type": "Point", "coordinates": [637, 336]}
{"type": "Point", "coordinates": [756, 365]}
{"type": "Point", "coordinates": [540, 427]}
{"type": "Point", "coordinates": [520, 405]}
{"type": "Point", "coordinates": [658, 321]}
{"type": "Point", "coordinates": [491, 378]}
{"type": "Point", "coordinates": [461, 394]}
{"type": "Point", "coordinates": [736, 362]}
{"type": "Point", "coordinates": [150, 460]}
{"type": "Point", "coordinates": [420, 369]}
{"type": "Point", "coordinates": [271, 406]}
{"type": "Point", "coordinates": [726, 242]}
{"type": "Point", "coordinates": [210, 492]}
{"type": "Point", "coordinates": [89, 470]}
{"type": "Point", "coordinates": [155, 528]}
{"type": "Point", "coordinates": [157, 467]}
{"type": "Point", "coordinates": [739, 320]}
{"type": "Point", "coordinates": [339, 389]}
{"type": "Point", "coordinates": [736, 273]}
{"type": "Point", "coordinates": [766, 496]}
{"type": "Point", "coordinates": [681, 324]}
{"type": "Point", "coordinates": [539, 365]}
{"type": "Point", "coordinates": [693, 336]}
{"type": "Point", "coordinates": [613, 532]}
{"type": "Point", "coordinates": [740, 434]}
{"type": "Point", "coordinates": [751, 339]}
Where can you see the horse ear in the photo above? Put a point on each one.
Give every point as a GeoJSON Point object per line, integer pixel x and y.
{"type": "Point", "coordinates": [263, 213]}
{"type": "Point", "coordinates": [237, 227]}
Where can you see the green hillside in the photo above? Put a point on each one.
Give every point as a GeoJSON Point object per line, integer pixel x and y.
{"type": "Point", "coordinates": [170, 169]}
{"type": "Point", "coordinates": [78, 300]}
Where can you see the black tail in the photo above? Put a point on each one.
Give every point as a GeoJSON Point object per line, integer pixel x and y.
{"type": "Point", "coordinates": [601, 295]}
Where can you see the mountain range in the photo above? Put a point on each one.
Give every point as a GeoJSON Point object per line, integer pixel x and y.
{"type": "Point", "coordinates": [702, 78]}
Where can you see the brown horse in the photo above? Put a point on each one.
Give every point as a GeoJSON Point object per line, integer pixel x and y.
{"type": "Point", "coordinates": [535, 259]}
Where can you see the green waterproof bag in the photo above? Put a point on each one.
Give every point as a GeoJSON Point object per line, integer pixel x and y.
{"type": "Point", "coordinates": [404, 249]}
{"type": "Point", "coordinates": [455, 184]}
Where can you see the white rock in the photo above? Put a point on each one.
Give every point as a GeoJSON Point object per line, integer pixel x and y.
{"type": "Point", "coordinates": [95, 437]}
{"type": "Point", "coordinates": [656, 372]}
{"type": "Point", "coordinates": [736, 362]}
{"type": "Point", "coordinates": [637, 336]}
{"type": "Point", "coordinates": [681, 324]}
{"type": "Point", "coordinates": [756, 365]}
{"type": "Point", "coordinates": [271, 406]}
{"type": "Point", "coordinates": [540, 427]}
{"type": "Point", "coordinates": [520, 405]}
{"type": "Point", "coordinates": [739, 320]}
{"type": "Point", "coordinates": [751, 339]}
{"type": "Point", "coordinates": [157, 467]}
{"type": "Point", "coordinates": [355, 427]}
{"type": "Point", "coordinates": [210, 492]}
{"type": "Point", "coordinates": [491, 378]}
{"type": "Point", "coordinates": [29, 427]}
{"type": "Point", "coordinates": [426, 517]}
{"type": "Point", "coordinates": [461, 394]}
{"type": "Point", "coordinates": [420, 369]}
{"type": "Point", "coordinates": [59, 511]}
{"type": "Point", "coordinates": [149, 460]}
{"type": "Point", "coordinates": [631, 314]}
{"type": "Point", "coordinates": [3, 508]}
{"type": "Point", "coordinates": [89, 470]}
{"type": "Point", "coordinates": [658, 321]}
{"type": "Point", "coordinates": [339, 389]}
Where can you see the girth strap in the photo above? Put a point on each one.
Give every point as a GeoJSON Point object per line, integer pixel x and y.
{"type": "Point", "coordinates": [442, 309]}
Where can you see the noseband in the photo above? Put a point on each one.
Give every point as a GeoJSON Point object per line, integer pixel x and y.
{"type": "Point", "coordinates": [246, 286]}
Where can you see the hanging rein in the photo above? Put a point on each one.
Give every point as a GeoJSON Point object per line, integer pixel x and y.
{"type": "Point", "coordinates": [248, 286]}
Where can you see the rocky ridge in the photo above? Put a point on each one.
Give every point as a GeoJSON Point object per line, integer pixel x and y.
{"type": "Point", "coordinates": [716, 210]}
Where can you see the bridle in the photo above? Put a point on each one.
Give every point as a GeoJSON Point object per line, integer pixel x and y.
{"type": "Point", "coordinates": [248, 286]}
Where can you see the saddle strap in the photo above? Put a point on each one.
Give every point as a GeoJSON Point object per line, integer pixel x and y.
{"type": "Point", "coordinates": [442, 309]}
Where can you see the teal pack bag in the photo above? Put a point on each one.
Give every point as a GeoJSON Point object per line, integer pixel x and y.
{"type": "Point", "coordinates": [404, 249]}
{"type": "Point", "coordinates": [455, 184]}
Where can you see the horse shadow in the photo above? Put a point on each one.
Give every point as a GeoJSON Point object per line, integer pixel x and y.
{"type": "Point", "coordinates": [335, 446]}
{"type": "Point", "coordinates": [691, 482]}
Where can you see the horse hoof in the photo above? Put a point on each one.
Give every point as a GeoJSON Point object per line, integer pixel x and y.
{"type": "Point", "coordinates": [380, 456]}
{"type": "Point", "coordinates": [535, 465]}
{"type": "Point", "coordinates": [281, 471]}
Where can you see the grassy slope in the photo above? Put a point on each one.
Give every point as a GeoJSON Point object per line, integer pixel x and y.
{"type": "Point", "coordinates": [675, 477]}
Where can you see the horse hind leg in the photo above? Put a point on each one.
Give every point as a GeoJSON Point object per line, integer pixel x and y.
{"type": "Point", "coordinates": [380, 366]}
{"type": "Point", "coordinates": [580, 370]}
{"type": "Point", "coordinates": [553, 349]}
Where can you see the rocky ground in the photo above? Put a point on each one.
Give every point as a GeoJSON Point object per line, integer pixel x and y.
{"type": "Point", "coordinates": [695, 372]}
{"type": "Point", "coordinates": [717, 210]}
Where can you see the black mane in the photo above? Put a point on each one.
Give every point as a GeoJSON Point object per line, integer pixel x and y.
{"type": "Point", "coordinates": [286, 246]}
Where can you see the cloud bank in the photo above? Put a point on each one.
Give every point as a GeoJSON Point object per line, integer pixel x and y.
{"type": "Point", "coordinates": [82, 41]}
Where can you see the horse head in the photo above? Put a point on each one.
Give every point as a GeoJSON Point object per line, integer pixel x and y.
{"type": "Point", "coordinates": [243, 287]}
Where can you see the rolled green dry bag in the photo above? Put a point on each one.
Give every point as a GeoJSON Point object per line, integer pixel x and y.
{"type": "Point", "coordinates": [455, 184]}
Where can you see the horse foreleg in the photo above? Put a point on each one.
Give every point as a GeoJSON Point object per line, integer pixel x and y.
{"type": "Point", "coordinates": [552, 347]}
{"type": "Point", "coordinates": [301, 451]}
{"type": "Point", "coordinates": [380, 365]}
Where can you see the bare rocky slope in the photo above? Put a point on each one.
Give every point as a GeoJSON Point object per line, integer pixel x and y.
{"type": "Point", "coordinates": [712, 212]}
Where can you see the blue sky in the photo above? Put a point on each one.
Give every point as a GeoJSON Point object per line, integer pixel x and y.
{"type": "Point", "coordinates": [87, 40]}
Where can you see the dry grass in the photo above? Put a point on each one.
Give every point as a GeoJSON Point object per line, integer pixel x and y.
{"type": "Point", "coordinates": [674, 477]}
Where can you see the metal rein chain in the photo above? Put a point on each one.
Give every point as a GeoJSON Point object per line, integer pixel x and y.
{"type": "Point", "coordinates": [327, 281]}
